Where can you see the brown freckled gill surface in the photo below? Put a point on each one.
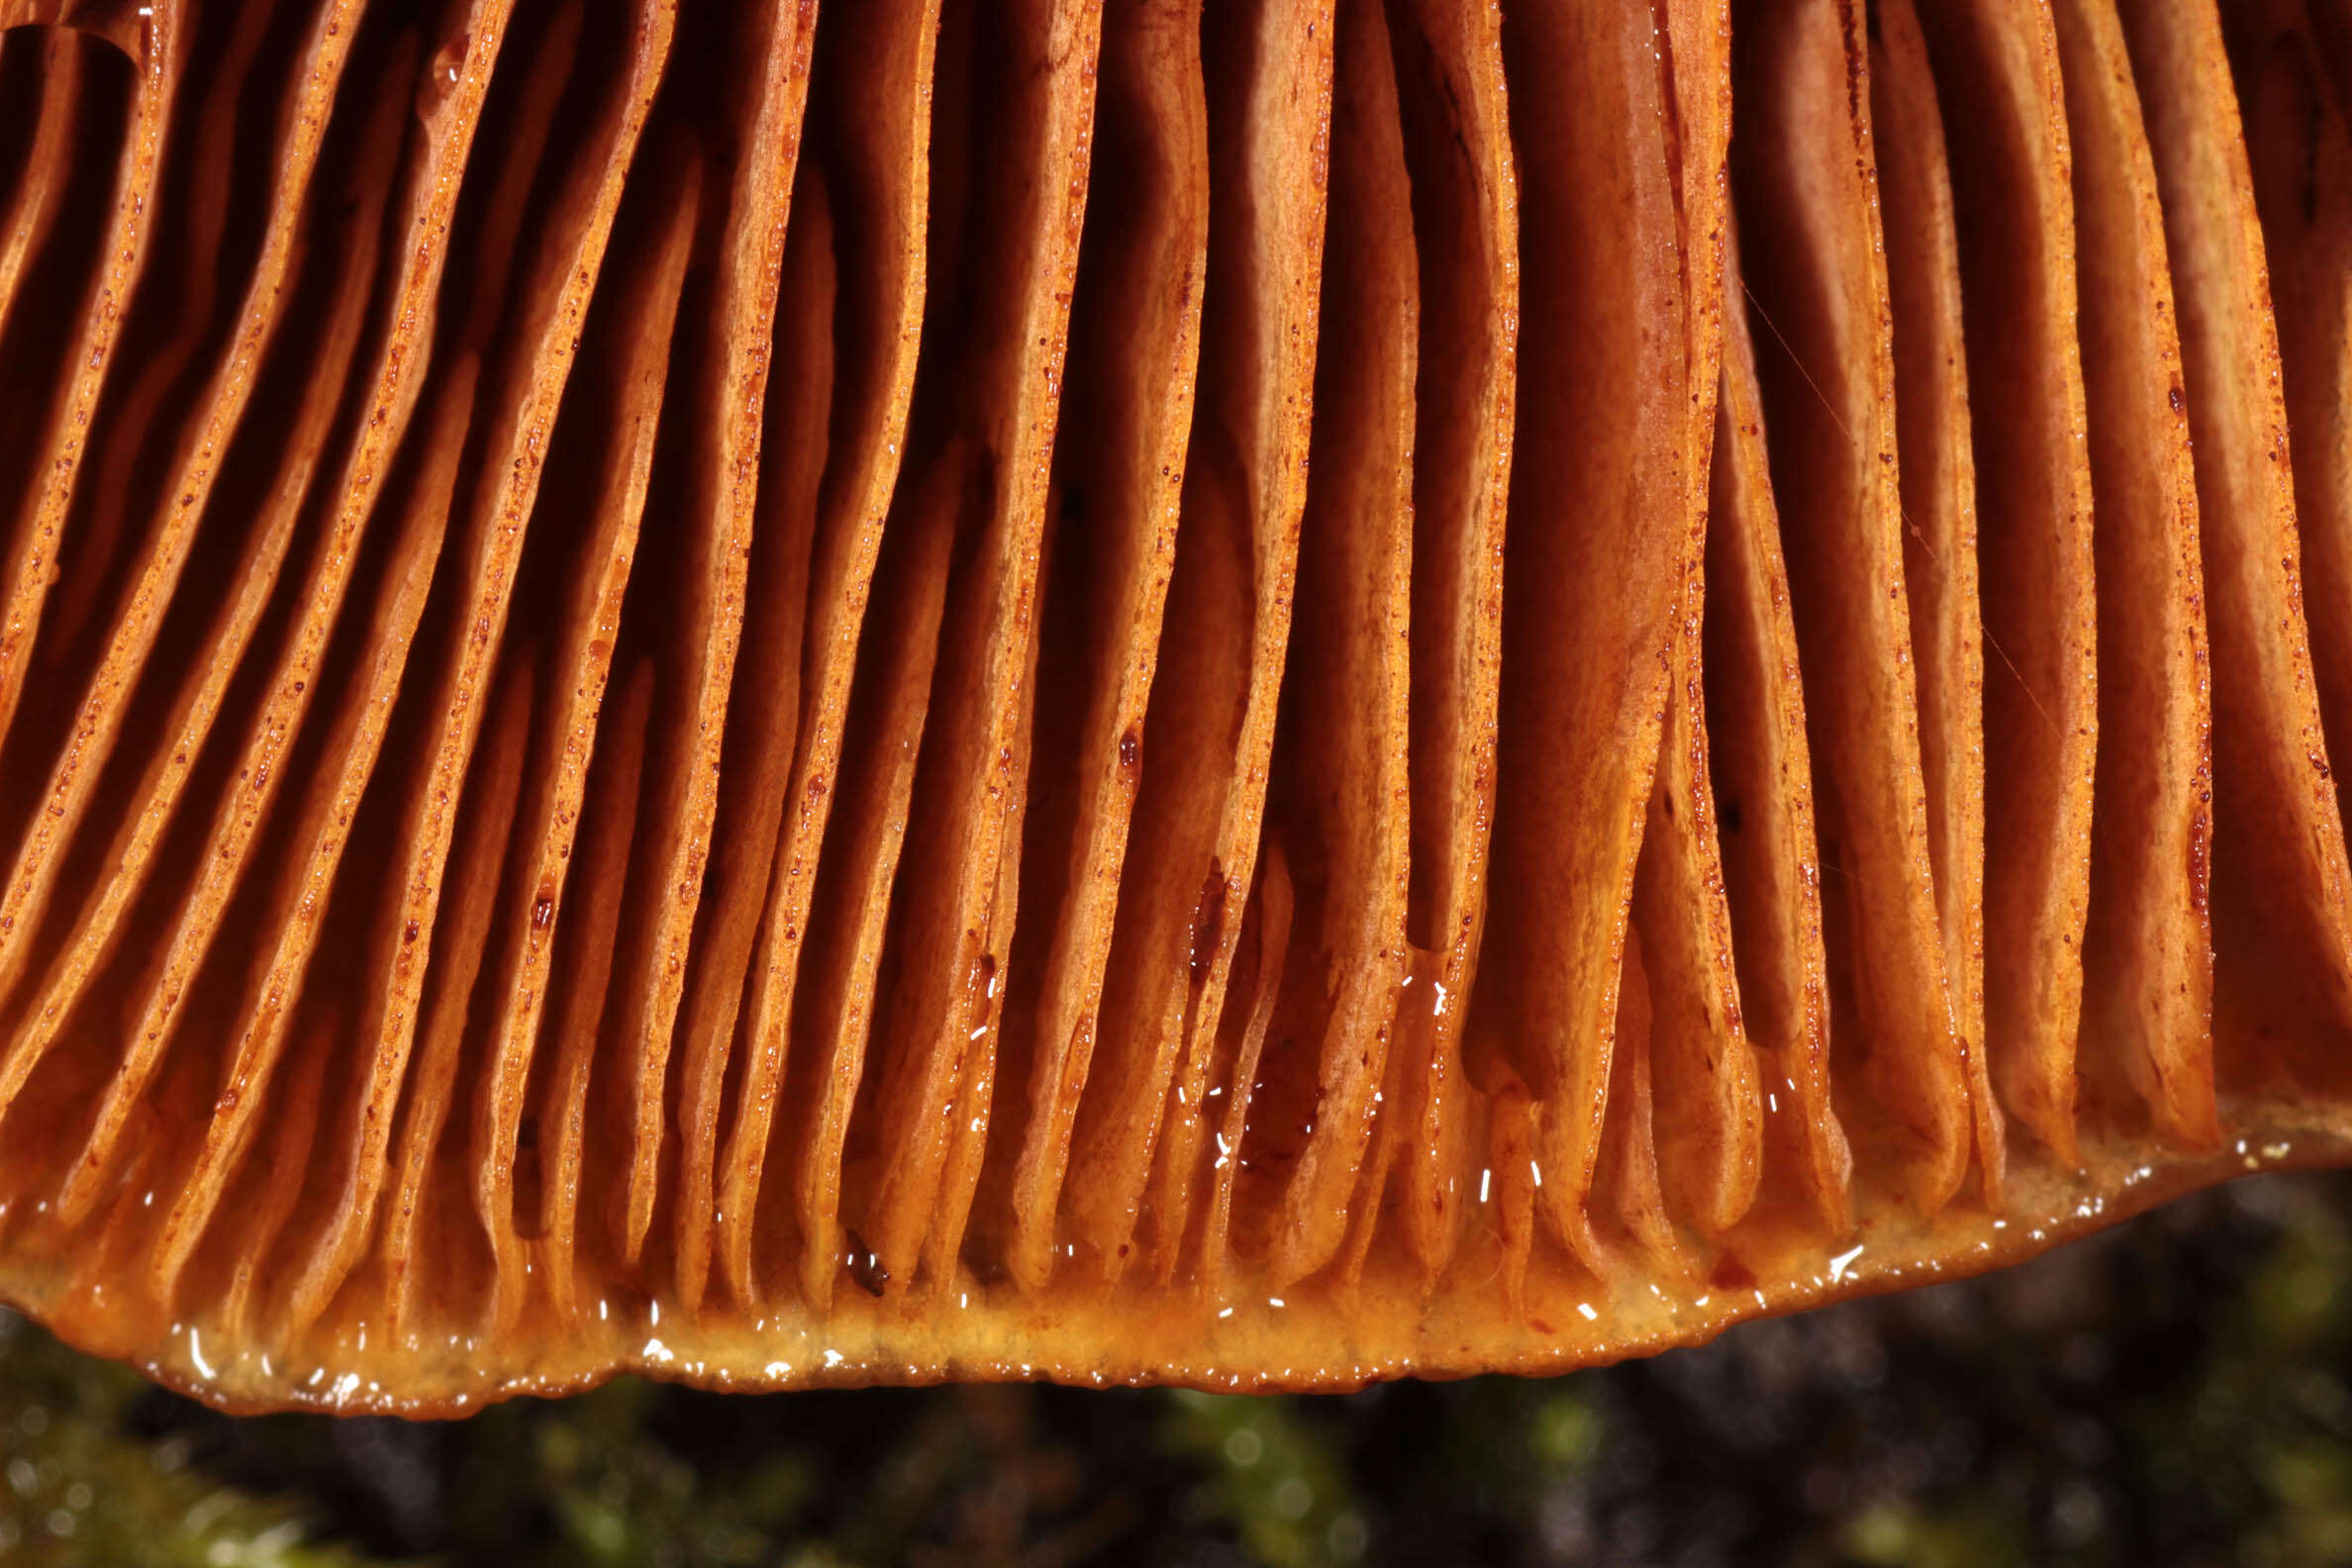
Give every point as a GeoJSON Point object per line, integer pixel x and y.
{"type": "Point", "coordinates": [1996, 73]}
{"type": "Point", "coordinates": [2147, 954]}
{"type": "Point", "coordinates": [1815, 289]}
{"type": "Point", "coordinates": [1936, 489]}
{"type": "Point", "coordinates": [1258, 695]}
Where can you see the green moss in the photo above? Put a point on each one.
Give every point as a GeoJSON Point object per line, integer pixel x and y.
{"type": "Point", "coordinates": [76, 1489]}
{"type": "Point", "coordinates": [1273, 1475]}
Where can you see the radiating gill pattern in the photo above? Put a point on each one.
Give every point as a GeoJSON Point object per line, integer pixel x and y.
{"type": "Point", "coordinates": [1256, 694]}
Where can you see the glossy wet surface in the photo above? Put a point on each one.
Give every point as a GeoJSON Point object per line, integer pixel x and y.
{"type": "Point", "coordinates": [1262, 696]}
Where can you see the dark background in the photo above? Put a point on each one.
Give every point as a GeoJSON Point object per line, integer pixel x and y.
{"type": "Point", "coordinates": [2178, 1390]}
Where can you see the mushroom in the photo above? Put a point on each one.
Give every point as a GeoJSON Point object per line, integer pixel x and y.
{"type": "Point", "coordinates": [1258, 695]}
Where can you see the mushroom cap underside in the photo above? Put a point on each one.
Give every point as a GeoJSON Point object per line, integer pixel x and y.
{"type": "Point", "coordinates": [1260, 696]}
